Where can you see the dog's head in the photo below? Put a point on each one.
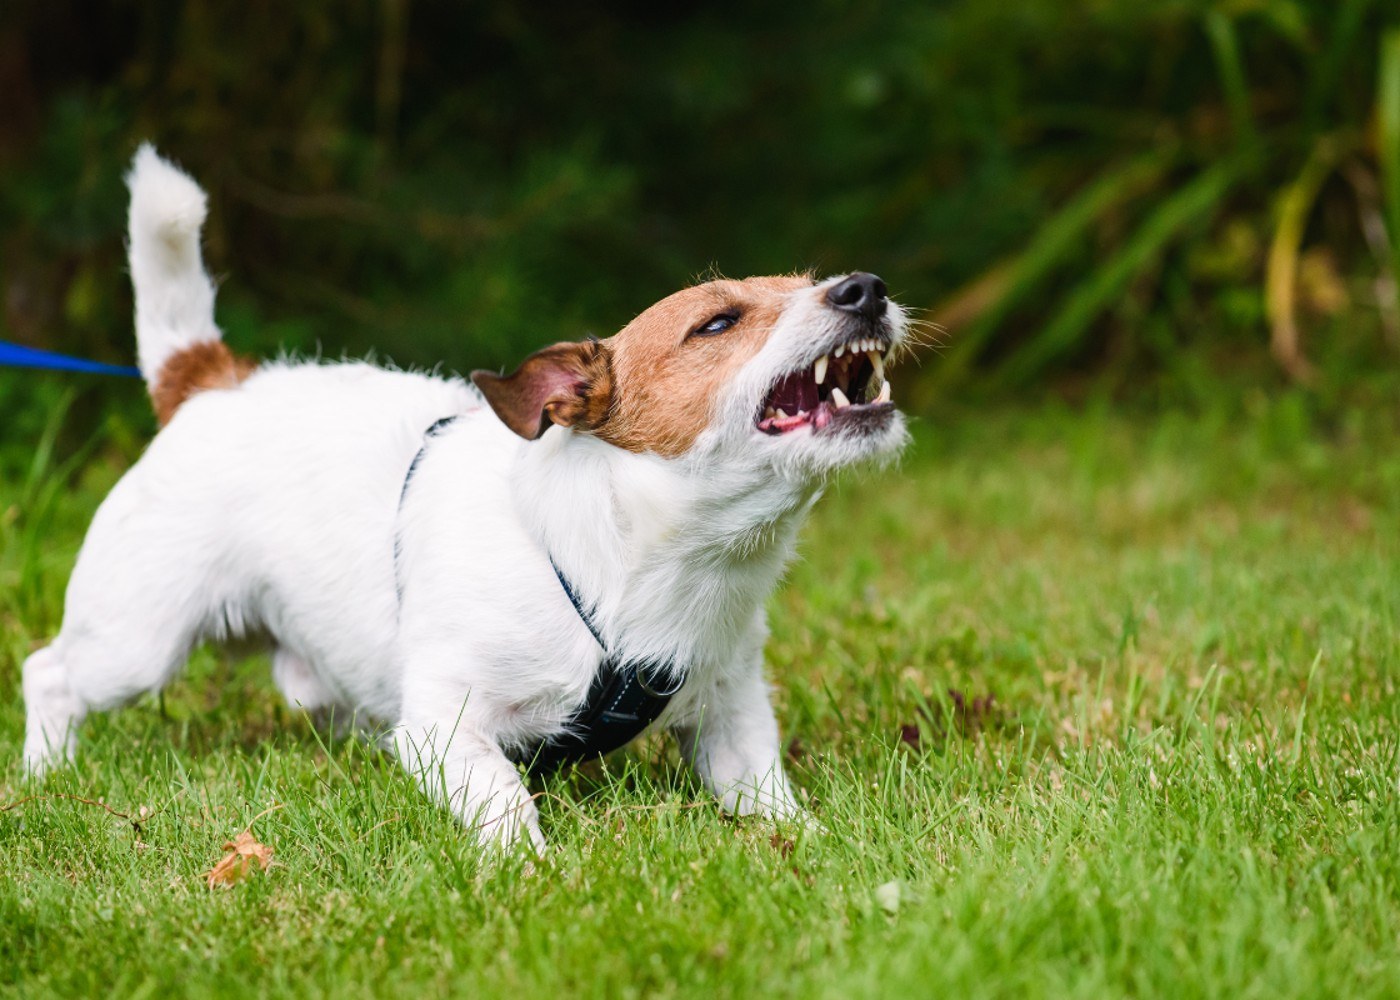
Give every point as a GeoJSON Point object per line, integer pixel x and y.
{"type": "Point", "coordinates": [786, 368]}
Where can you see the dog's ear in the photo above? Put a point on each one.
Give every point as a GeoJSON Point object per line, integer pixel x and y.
{"type": "Point", "coordinates": [569, 384]}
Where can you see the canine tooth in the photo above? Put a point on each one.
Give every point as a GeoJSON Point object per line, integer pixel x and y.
{"type": "Point", "coordinates": [768, 414]}
{"type": "Point", "coordinates": [780, 414]}
{"type": "Point", "coordinates": [879, 363]}
{"type": "Point", "coordinates": [838, 398]}
{"type": "Point", "coordinates": [884, 396]}
{"type": "Point", "coordinates": [819, 369]}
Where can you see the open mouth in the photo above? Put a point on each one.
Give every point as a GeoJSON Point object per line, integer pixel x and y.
{"type": "Point", "coordinates": [847, 386]}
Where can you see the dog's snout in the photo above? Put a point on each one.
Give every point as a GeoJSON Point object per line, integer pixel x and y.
{"type": "Point", "coordinates": [861, 293]}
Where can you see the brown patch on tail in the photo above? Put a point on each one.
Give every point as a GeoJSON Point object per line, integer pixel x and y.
{"type": "Point", "coordinates": [208, 364]}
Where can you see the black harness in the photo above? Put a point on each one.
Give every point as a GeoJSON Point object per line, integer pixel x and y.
{"type": "Point", "coordinates": [624, 698]}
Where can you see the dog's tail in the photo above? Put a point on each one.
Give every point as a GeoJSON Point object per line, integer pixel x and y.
{"type": "Point", "coordinates": [178, 347]}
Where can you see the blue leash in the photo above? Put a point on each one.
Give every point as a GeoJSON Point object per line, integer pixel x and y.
{"type": "Point", "coordinates": [17, 356]}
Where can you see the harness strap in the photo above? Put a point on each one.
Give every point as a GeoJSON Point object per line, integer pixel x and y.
{"type": "Point", "coordinates": [436, 426]}
{"type": "Point", "coordinates": [578, 605]}
{"type": "Point", "coordinates": [623, 699]}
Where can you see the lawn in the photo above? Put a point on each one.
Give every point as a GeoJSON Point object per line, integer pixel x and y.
{"type": "Point", "coordinates": [1088, 702]}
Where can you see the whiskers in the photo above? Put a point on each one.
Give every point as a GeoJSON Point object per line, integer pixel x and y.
{"type": "Point", "coordinates": [920, 334]}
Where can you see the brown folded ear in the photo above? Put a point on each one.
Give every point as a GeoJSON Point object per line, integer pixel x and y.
{"type": "Point", "coordinates": [567, 384]}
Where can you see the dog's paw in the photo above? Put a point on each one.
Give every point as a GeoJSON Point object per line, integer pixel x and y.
{"type": "Point", "coordinates": [769, 797]}
{"type": "Point", "coordinates": [803, 821]}
{"type": "Point", "coordinates": [504, 827]}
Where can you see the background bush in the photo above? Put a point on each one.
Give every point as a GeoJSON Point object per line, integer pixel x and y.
{"type": "Point", "coordinates": [1132, 192]}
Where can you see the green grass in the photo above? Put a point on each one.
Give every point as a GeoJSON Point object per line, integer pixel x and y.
{"type": "Point", "coordinates": [1184, 784]}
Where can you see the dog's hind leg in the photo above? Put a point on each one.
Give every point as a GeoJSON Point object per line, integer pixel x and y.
{"type": "Point", "coordinates": [52, 712]}
{"type": "Point", "coordinates": [135, 605]}
{"type": "Point", "coordinates": [84, 670]}
{"type": "Point", "coordinates": [298, 682]}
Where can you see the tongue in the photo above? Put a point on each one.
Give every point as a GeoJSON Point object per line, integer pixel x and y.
{"type": "Point", "coordinates": [794, 393]}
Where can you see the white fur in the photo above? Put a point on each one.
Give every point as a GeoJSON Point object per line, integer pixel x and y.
{"type": "Point", "coordinates": [276, 507]}
{"type": "Point", "coordinates": [174, 297]}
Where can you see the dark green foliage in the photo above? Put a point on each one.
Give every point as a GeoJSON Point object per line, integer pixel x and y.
{"type": "Point", "coordinates": [461, 183]}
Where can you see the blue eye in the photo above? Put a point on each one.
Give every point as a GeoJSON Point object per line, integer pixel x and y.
{"type": "Point", "coordinates": [717, 324]}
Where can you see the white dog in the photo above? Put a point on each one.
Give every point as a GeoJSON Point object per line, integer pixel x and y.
{"type": "Point", "coordinates": [527, 571]}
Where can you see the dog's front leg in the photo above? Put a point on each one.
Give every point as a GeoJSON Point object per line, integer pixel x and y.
{"type": "Point", "coordinates": [467, 772]}
{"type": "Point", "coordinates": [733, 745]}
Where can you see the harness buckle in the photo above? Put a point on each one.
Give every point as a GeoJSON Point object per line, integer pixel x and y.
{"type": "Point", "coordinates": [644, 682]}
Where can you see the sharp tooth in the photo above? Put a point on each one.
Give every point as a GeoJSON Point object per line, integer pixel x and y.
{"type": "Point", "coordinates": [838, 398]}
{"type": "Point", "coordinates": [884, 396]}
{"type": "Point", "coordinates": [879, 363]}
{"type": "Point", "coordinates": [840, 350]}
{"type": "Point", "coordinates": [780, 414]}
{"type": "Point", "coordinates": [819, 369]}
{"type": "Point", "coordinates": [768, 414]}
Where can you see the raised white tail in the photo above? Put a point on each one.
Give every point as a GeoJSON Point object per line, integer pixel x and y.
{"type": "Point", "coordinates": [174, 297]}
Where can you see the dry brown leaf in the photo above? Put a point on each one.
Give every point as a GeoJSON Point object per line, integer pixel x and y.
{"type": "Point", "coordinates": [244, 854]}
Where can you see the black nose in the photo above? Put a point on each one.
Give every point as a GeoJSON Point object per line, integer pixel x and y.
{"type": "Point", "coordinates": [860, 293]}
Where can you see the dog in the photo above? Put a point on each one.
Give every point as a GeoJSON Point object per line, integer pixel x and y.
{"type": "Point", "coordinates": [472, 564]}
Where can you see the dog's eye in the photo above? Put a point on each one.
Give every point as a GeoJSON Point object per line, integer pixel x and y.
{"type": "Point", "coordinates": [715, 324]}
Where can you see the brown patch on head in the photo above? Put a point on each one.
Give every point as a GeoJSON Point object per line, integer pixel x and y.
{"type": "Point", "coordinates": [208, 364]}
{"type": "Point", "coordinates": [667, 374]}
{"type": "Point", "coordinates": [652, 386]}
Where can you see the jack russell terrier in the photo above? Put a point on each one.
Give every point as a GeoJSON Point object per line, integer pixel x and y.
{"type": "Point", "coordinates": [520, 573]}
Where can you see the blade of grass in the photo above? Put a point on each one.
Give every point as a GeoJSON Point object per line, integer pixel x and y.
{"type": "Point", "coordinates": [29, 541]}
{"type": "Point", "coordinates": [40, 465]}
{"type": "Point", "coordinates": [1196, 200]}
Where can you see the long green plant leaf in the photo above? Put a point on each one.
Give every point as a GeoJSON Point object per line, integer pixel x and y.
{"type": "Point", "coordinates": [1388, 139]}
{"type": "Point", "coordinates": [1052, 244]}
{"type": "Point", "coordinates": [1294, 208]}
{"type": "Point", "coordinates": [1321, 83]}
{"type": "Point", "coordinates": [1230, 65]}
{"type": "Point", "coordinates": [1196, 200]}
